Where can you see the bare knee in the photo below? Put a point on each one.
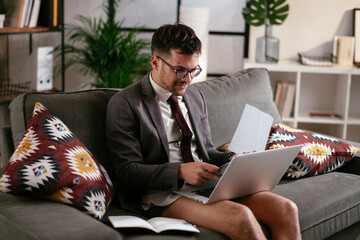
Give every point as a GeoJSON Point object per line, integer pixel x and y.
{"type": "Point", "coordinates": [244, 224]}
{"type": "Point", "coordinates": [285, 224]}
{"type": "Point", "coordinates": [289, 209]}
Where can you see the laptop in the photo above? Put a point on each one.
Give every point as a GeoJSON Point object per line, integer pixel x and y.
{"type": "Point", "coordinates": [244, 175]}
{"type": "Point", "coordinates": [253, 170]}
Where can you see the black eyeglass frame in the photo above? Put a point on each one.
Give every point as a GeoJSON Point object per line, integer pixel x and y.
{"type": "Point", "coordinates": [185, 71]}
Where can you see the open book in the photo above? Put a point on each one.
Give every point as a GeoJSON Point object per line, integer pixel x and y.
{"type": "Point", "coordinates": [158, 224]}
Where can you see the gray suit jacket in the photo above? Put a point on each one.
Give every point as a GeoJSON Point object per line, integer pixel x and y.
{"type": "Point", "coordinates": [138, 146]}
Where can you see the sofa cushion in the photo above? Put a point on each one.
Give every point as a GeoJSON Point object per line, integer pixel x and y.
{"type": "Point", "coordinates": [320, 154]}
{"type": "Point", "coordinates": [6, 145]}
{"type": "Point", "coordinates": [51, 162]}
{"type": "Point", "coordinates": [29, 219]}
{"type": "Point", "coordinates": [88, 106]}
{"type": "Point", "coordinates": [226, 98]}
{"type": "Point", "coordinates": [327, 203]}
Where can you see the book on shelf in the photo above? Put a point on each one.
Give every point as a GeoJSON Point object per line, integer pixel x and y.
{"type": "Point", "coordinates": [42, 13]}
{"type": "Point", "coordinates": [23, 10]}
{"type": "Point", "coordinates": [51, 13]}
{"type": "Point", "coordinates": [289, 100]}
{"type": "Point", "coordinates": [19, 19]}
{"type": "Point", "coordinates": [284, 97]}
{"type": "Point", "coordinates": [343, 50]}
{"type": "Point", "coordinates": [28, 13]}
{"type": "Point", "coordinates": [34, 14]}
{"type": "Point", "coordinates": [325, 115]}
{"type": "Point", "coordinates": [157, 224]}
{"type": "Point", "coordinates": [277, 92]}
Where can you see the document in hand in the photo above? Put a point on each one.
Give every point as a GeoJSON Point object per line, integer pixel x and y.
{"type": "Point", "coordinates": [252, 132]}
{"type": "Point", "coordinates": [158, 224]}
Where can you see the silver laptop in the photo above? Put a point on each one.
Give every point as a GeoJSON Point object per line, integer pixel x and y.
{"type": "Point", "coordinates": [244, 175]}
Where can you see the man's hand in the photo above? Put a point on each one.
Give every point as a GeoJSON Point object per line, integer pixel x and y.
{"type": "Point", "coordinates": [198, 173]}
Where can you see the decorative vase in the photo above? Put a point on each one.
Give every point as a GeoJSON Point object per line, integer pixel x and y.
{"type": "Point", "coordinates": [267, 47]}
{"type": "Point", "coordinates": [2, 19]}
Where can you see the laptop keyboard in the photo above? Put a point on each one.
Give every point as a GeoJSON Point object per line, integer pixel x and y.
{"type": "Point", "coordinates": [204, 192]}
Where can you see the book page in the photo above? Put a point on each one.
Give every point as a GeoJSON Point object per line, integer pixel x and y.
{"type": "Point", "coordinates": [157, 225]}
{"type": "Point", "coordinates": [130, 222]}
{"type": "Point", "coordinates": [163, 224]}
{"type": "Point", "coordinates": [252, 132]}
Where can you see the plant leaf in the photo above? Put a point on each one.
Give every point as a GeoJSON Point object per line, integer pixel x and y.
{"type": "Point", "coordinates": [258, 12]}
{"type": "Point", "coordinates": [277, 12]}
{"type": "Point", "coordinates": [113, 56]}
{"type": "Point", "coordinates": [255, 13]}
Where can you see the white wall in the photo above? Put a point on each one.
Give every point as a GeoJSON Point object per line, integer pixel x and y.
{"type": "Point", "coordinates": [310, 27]}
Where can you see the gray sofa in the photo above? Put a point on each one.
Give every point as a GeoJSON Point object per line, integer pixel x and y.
{"type": "Point", "coordinates": [329, 204]}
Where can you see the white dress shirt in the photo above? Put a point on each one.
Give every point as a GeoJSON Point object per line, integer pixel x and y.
{"type": "Point", "coordinates": [174, 136]}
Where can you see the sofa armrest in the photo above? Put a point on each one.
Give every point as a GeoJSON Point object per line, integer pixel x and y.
{"type": "Point", "coordinates": [23, 218]}
{"type": "Point", "coordinates": [6, 145]}
{"type": "Point", "coordinates": [351, 167]}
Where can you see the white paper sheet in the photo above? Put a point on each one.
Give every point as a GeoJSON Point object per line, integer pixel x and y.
{"type": "Point", "coordinates": [252, 131]}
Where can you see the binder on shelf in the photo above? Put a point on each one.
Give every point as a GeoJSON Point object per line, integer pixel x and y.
{"type": "Point", "coordinates": [51, 13]}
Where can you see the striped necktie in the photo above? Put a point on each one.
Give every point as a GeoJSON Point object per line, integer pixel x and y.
{"type": "Point", "coordinates": [186, 132]}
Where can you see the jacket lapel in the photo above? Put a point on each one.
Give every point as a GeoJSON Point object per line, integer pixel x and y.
{"type": "Point", "coordinates": [149, 100]}
{"type": "Point", "coordinates": [196, 119]}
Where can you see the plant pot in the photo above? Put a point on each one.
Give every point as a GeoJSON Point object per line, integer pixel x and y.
{"type": "Point", "coordinates": [267, 47]}
{"type": "Point", "coordinates": [2, 19]}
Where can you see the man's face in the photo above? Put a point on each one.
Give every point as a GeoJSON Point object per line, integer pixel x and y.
{"type": "Point", "coordinates": [164, 76]}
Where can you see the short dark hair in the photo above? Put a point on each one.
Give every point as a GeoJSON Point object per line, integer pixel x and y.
{"type": "Point", "coordinates": [177, 36]}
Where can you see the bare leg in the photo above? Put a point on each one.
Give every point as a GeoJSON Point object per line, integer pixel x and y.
{"type": "Point", "coordinates": [279, 213]}
{"type": "Point", "coordinates": [230, 218]}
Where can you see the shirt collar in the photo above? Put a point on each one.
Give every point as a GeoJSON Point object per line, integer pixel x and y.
{"type": "Point", "coordinates": [161, 93]}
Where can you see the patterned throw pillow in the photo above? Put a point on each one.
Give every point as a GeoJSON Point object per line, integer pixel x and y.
{"type": "Point", "coordinates": [319, 154]}
{"type": "Point", "coordinates": [52, 163]}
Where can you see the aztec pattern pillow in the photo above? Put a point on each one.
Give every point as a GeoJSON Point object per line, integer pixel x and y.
{"type": "Point", "coordinates": [320, 154]}
{"type": "Point", "coordinates": [52, 163]}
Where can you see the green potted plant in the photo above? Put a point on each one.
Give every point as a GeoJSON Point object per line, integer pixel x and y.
{"type": "Point", "coordinates": [105, 50]}
{"type": "Point", "coordinates": [268, 12]}
{"type": "Point", "coordinates": [4, 9]}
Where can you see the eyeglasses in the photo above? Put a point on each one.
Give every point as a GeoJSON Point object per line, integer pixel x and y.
{"type": "Point", "coordinates": [183, 72]}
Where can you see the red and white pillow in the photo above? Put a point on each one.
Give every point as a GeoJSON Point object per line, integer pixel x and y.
{"type": "Point", "coordinates": [52, 163]}
{"type": "Point", "coordinates": [319, 154]}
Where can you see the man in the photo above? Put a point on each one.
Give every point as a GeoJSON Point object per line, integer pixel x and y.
{"type": "Point", "coordinates": [148, 145]}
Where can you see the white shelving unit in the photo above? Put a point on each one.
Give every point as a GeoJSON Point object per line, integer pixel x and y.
{"type": "Point", "coordinates": [320, 89]}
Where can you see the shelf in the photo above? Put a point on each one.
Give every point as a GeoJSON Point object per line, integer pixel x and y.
{"type": "Point", "coordinates": [14, 30]}
{"type": "Point", "coordinates": [294, 66]}
{"type": "Point", "coordinates": [320, 89]}
{"type": "Point", "coordinates": [7, 31]}
{"type": "Point", "coordinates": [320, 120]}
{"type": "Point", "coordinates": [354, 120]}
{"type": "Point", "coordinates": [288, 119]}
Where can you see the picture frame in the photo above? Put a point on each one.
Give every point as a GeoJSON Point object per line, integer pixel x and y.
{"type": "Point", "coordinates": [356, 33]}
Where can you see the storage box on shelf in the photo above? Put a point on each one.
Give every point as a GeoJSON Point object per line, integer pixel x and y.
{"type": "Point", "coordinates": [320, 90]}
